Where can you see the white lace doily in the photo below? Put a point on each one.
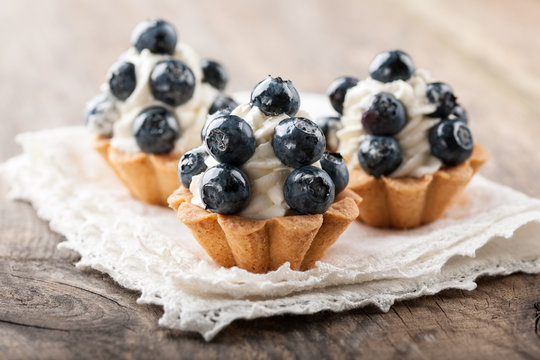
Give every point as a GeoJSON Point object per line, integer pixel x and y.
{"type": "Point", "coordinates": [490, 230]}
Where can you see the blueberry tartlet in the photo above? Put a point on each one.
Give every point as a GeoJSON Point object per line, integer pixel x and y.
{"type": "Point", "coordinates": [152, 108]}
{"type": "Point", "coordinates": [261, 190]}
{"type": "Point", "coordinates": [405, 140]}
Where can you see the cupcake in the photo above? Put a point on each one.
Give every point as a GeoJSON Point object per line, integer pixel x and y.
{"type": "Point", "coordinates": [405, 140]}
{"type": "Point", "coordinates": [261, 190]}
{"type": "Point", "coordinates": [152, 108]}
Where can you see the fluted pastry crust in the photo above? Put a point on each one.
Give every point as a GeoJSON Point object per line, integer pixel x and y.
{"type": "Point", "coordinates": [410, 202]}
{"type": "Point", "coordinates": [150, 178]}
{"type": "Point", "coordinates": [263, 245]}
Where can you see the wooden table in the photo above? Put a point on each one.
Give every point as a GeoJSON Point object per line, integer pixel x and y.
{"type": "Point", "coordinates": [56, 53]}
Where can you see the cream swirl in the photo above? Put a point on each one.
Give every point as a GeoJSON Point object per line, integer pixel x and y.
{"type": "Point", "coordinates": [266, 172]}
{"type": "Point", "coordinates": [413, 138]}
{"type": "Point", "coordinates": [191, 115]}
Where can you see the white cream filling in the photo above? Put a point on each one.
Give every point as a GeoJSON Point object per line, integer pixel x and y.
{"type": "Point", "coordinates": [413, 138]}
{"type": "Point", "coordinates": [191, 115]}
{"type": "Point", "coordinates": [266, 172]}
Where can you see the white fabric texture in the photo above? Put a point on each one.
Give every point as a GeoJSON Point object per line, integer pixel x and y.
{"type": "Point", "coordinates": [490, 230]}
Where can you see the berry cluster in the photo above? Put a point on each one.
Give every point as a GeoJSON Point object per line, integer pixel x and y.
{"type": "Point", "coordinates": [380, 154]}
{"type": "Point", "coordinates": [171, 83]}
{"type": "Point", "coordinates": [297, 142]}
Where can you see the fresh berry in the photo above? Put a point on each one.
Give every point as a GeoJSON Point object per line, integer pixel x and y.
{"type": "Point", "coordinates": [156, 130]}
{"type": "Point", "coordinates": [459, 113]}
{"type": "Point", "coordinates": [158, 36]}
{"type": "Point", "coordinates": [214, 74]}
{"type": "Point", "coordinates": [211, 118]}
{"type": "Point", "coordinates": [229, 139]}
{"type": "Point", "coordinates": [379, 155]}
{"type": "Point", "coordinates": [192, 164]}
{"type": "Point", "coordinates": [122, 80]}
{"type": "Point", "coordinates": [309, 190]}
{"type": "Point", "coordinates": [451, 141]}
{"type": "Point", "coordinates": [298, 142]}
{"type": "Point", "coordinates": [385, 116]}
{"type": "Point", "coordinates": [275, 96]}
{"type": "Point", "coordinates": [329, 126]}
{"type": "Point", "coordinates": [390, 66]}
{"type": "Point", "coordinates": [336, 168]}
{"type": "Point", "coordinates": [338, 89]}
{"type": "Point", "coordinates": [442, 95]}
{"type": "Point", "coordinates": [225, 189]}
{"type": "Point", "coordinates": [101, 114]}
{"type": "Point", "coordinates": [172, 82]}
{"type": "Point", "coordinates": [222, 102]}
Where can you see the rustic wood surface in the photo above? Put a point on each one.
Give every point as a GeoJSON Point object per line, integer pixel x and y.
{"type": "Point", "coordinates": [54, 56]}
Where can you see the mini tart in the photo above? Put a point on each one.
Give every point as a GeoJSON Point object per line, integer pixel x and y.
{"type": "Point", "coordinates": [259, 246]}
{"type": "Point", "coordinates": [410, 202]}
{"type": "Point", "coordinates": [150, 178]}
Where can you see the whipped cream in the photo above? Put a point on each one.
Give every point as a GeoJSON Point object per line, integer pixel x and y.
{"type": "Point", "coordinates": [266, 172]}
{"type": "Point", "coordinates": [191, 115]}
{"type": "Point", "coordinates": [413, 138]}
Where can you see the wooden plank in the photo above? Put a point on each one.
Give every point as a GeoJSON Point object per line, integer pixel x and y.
{"type": "Point", "coordinates": [45, 306]}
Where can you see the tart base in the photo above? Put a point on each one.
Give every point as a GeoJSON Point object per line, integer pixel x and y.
{"type": "Point", "coordinates": [259, 246]}
{"type": "Point", "coordinates": [410, 202]}
{"type": "Point", "coordinates": [150, 178]}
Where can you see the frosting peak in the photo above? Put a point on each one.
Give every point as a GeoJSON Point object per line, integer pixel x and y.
{"type": "Point", "coordinates": [191, 115]}
{"type": "Point", "coordinates": [413, 138]}
{"type": "Point", "coordinates": [266, 172]}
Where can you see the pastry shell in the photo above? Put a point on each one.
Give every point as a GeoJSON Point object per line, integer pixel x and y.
{"type": "Point", "coordinates": [150, 178]}
{"type": "Point", "coordinates": [411, 202]}
{"type": "Point", "coordinates": [259, 246]}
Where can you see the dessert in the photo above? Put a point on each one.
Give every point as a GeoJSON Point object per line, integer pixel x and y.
{"type": "Point", "coordinates": [405, 140]}
{"type": "Point", "coordinates": [152, 108]}
{"type": "Point", "coordinates": [261, 190]}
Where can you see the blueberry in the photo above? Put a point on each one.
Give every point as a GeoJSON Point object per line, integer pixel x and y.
{"type": "Point", "coordinates": [329, 126]}
{"type": "Point", "coordinates": [213, 116]}
{"type": "Point", "coordinates": [172, 82]}
{"type": "Point", "coordinates": [101, 114]}
{"type": "Point", "coordinates": [336, 168]}
{"type": "Point", "coordinates": [158, 36]}
{"type": "Point", "coordinates": [309, 190]}
{"type": "Point", "coordinates": [338, 89]}
{"type": "Point", "coordinates": [214, 74]}
{"type": "Point", "coordinates": [379, 155]}
{"type": "Point", "coordinates": [209, 120]}
{"type": "Point", "coordinates": [451, 141]}
{"type": "Point", "coordinates": [442, 95]}
{"type": "Point", "coordinates": [298, 142]}
{"type": "Point", "coordinates": [275, 96]}
{"type": "Point", "coordinates": [222, 102]}
{"type": "Point", "coordinates": [385, 116]}
{"type": "Point", "coordinates": [459, 113]}
{"type": "Point", "coordinates": [156, 130]}
{"type": "Point", "coordinates": [192, 164]}
{"type": "Point", "coordinates": [122, 80]}
{"type": "Point", "coordinates": [229, 139]}
{"type": "Point", "coordinates": [391, 65]}
{"type": "Point", "coordinates": [225, 189]}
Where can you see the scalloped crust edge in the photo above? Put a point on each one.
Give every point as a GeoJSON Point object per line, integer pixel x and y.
{"type": "Point", "coordinates": [150, 178]}
{"type": "Point", "coordinates": [259, 246]}
{"type": "Point", "coordinates": [410, 202]}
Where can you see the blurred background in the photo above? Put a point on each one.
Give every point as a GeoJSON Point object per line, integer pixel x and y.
{"type": "Point", "coordinates": [55, 54]}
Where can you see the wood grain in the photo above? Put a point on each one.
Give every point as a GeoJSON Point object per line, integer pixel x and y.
{"type": "Point", "coordinates": [54, 56]}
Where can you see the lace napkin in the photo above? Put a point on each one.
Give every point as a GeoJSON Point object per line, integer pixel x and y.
{"type": "Point", "coordinates": [490, 230]}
